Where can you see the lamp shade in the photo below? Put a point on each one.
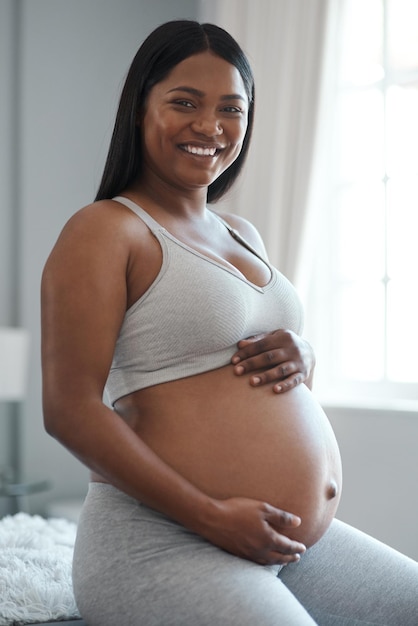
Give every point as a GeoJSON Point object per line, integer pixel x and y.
{"type": "Point", "coordinates": [14, 352]}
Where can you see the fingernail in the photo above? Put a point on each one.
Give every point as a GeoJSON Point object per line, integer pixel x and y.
{"type": "Point", "coordinates": [256, 380]}
{"type": "Point", "coordinates": [277, 388]}
{"type": "Point", "coordinates": [239, 369]}
{"type": "Point", "coordinates": [235, 359]}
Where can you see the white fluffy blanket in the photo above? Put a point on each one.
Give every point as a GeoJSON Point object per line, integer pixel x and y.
{"type": "Point", "coordinates": [35, 569]}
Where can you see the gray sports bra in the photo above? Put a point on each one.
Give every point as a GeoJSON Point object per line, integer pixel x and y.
{"type": "Point", "coordinates": [191, 318]}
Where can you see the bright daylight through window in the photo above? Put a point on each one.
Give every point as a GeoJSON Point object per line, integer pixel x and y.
{"type": "Point", "coordinates": [372, 267]}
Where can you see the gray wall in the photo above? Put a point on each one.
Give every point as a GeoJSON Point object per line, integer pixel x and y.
{"type": "Point", "coordinates": [62, 65]}
{"type": "Point", "coordinates": [7, 213]}
{"type": "Point", "coordinates": [380, 467]}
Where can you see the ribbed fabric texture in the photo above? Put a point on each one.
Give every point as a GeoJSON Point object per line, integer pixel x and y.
{"type": "Point", "coordinates": [191, 318]}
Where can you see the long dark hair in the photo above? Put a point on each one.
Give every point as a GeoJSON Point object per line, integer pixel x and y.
{"type": "Point", "coordinates": [165, 47]}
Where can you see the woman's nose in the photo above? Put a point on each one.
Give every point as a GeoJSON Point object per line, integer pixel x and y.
{"type": "Point", "coordinates": [207, 124]}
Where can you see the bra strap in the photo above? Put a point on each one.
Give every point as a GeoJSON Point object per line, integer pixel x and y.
{"type": "Point", "coordinates": [152, 224]}
{"type": "Point", "coordinates": [235, 234]}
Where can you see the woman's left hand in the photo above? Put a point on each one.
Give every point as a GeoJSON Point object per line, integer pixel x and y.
{"type": "Point", "coordinates": [280, 357]}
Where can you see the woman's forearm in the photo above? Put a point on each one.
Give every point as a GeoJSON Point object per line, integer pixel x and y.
{"type": "Point", "coordinates": [103, 442]}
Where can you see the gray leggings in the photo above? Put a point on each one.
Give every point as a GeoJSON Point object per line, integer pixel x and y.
{"type": "Point", "coordinates": [136, 567]}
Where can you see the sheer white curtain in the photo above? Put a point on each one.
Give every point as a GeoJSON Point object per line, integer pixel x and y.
{"type": "Point", "coordinates": [286, 43]}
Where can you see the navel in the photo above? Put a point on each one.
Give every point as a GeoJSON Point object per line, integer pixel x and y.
{"type": "Point", "coordinates": [332, 490]}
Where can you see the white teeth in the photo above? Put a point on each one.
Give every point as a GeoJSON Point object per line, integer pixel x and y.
{"type": "Point", "coordinates": [200, 151]}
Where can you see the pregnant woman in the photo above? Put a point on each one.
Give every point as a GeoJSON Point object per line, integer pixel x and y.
{"type": "Point", "coordinates": [212, 498]}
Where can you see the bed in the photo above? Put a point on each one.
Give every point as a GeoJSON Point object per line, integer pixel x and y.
{"type": "Point", "coordinates": [35, 571]}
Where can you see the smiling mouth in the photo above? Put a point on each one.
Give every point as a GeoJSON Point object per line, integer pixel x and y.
{"type": "Point", "coordinates": [200, 150]}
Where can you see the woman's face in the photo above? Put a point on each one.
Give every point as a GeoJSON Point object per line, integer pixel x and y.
{"type": "Point", "coordinates": [194, 123]}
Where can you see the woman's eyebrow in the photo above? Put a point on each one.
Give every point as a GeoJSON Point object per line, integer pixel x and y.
{"type": "Point", "coordinates": [201, 94]}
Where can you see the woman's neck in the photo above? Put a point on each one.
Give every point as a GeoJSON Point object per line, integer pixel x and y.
{"type": "Point", "coordinates": [164, 198]}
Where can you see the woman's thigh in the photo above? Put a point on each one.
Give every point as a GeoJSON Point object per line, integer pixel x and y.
{"type": "Point", "coordinates": [350, 578]}
{"type": "Point", "coordinates": [135, 567]}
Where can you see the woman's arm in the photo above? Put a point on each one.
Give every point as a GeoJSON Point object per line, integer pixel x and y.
{"type": "Point", "coordinates": [85, 293]}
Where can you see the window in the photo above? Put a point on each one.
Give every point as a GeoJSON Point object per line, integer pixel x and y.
{"type": "Point", "coordinates": [369, 339]}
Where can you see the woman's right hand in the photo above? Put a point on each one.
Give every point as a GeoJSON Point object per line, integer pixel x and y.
{"type": "Point", "coordinates": [254, 530]}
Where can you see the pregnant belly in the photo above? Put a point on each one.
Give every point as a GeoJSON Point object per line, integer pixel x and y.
{"type": "Point", "coordinates": [248, 442]}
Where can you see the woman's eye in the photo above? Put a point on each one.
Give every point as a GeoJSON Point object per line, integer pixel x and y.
{"type": "Point", "coordinates": [184, 103]}
{"type": "Point", "coordinates": [232, 109]}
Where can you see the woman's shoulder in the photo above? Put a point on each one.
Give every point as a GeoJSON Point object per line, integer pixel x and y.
{"type": "Point", "coordinates": [103, 214]}
{"type": "Point", "coordinates": [103, 220]}
{"type": "Point", "coordinates": [96, 232]}
{"type": "Point", "coordinates": [245, 228]}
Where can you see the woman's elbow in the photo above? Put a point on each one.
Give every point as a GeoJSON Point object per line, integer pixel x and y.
{"type": "Point", "coordinates": [56, 418]}
{"type": "Point", "coordinates": [52, 421]}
